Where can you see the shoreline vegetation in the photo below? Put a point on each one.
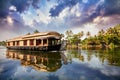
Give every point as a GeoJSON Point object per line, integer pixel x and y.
{"type": "Point", "coordinates": [109, 38]}
{"type": "Point", "coordinates": [91, 47]}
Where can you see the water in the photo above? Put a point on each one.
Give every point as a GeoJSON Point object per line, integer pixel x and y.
{"type": "Point", "coordinates": [65, 65]}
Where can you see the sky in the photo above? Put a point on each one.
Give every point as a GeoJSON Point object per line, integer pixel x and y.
{"type": "Point", "coordinates": [19, 17]}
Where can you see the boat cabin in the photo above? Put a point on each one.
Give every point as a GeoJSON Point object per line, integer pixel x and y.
{"type": "Point", "coordinates": [35, 41]}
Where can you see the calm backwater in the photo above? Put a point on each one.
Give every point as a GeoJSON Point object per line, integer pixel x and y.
{"type": "Point", "coordinates": [66, 65]}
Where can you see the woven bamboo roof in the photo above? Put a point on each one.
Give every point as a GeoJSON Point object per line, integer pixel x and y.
{"type": "Point", "coordinates": [41, 35]}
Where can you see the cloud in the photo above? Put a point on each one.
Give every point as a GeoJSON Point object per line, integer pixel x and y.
{"type": "Point", "coordinates": [20, 6]}
{"type": "Point", "coordinates": [62, 4]}
{"type": "Point", "coordinates": [108, 71]}
{"type": "Point", "coordinates": [12, 26]}
{"type": "Point", "coordinates": [35, 3]}
{"type": "Point", "coordinates": [9, 30]}
{"type": "Point", "coordinates": [11, 20]}
{"type": "Point", "coordinates": [88, 10]}
{"type": "Point", "coordinates": [79, 11]}
{"type": "Point", "coordinates": [12, 8]}
{"type": "Point", "coordinates": [111, 7]}
{"type": "Point", "coordinates": [4, 8]}
{"type": "Point", "coordinates": [23, 5]}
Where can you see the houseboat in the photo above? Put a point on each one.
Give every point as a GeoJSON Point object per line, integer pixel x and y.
{"type": "Point", "coordinates": [43, 41]}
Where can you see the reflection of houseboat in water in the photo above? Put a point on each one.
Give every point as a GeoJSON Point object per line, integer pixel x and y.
{"type": "Point", "coordinates": [43, 61]}
{"type": "Point", "coordinates": [44, 41]}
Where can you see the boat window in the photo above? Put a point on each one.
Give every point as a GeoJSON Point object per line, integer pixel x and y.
{"type": "Point", "coordinates": [17, 42]}
{"type": "Point", "coordinates": [58, 41]}
{"type": "Point", "coordinates": [14, 43]}
{"type": "Point", "coordinates": [25, 42]}
{"type": "Point", "coordinates": [49, 42]}
{"type": "Point", "coordinates": [44, 41]}
{"type": "Point", "coordinates": [8, 43]}
{"type": "Point", "coordinates": [53, 42]}
{"type": "Point", "coordinates": [31, 42]}
{"type": "Point", "coordinates": [38, 42]}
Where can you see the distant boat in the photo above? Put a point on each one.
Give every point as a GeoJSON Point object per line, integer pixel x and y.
{"type": "Point", "coordinates": [43, 41]}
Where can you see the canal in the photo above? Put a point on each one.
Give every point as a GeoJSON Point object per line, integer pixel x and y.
{"type": "Point", "coordinates": [66, 65]}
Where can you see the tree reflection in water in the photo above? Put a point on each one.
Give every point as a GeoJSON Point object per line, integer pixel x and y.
{"type": "Point", "coordinates": [102, 64]}
{"type": "Point", "coordinates": [43, 61]}
{"type": "Point", "coordinates": [106, 56]}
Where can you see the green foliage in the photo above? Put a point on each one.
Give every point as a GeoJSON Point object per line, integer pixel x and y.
{"type": "Point", "coordinates": [109, 37]}
{"type": "Point", "coordinates": [74, 39]}
{"type": "Point", "coordinates": [114, 35]}
{"type": "Point", "coordinates": [2, 43]}
{"type": "Point", "coordinates": [36, 31]}
{"type": "Point", "coordinates": [69, 34]}
{"type": "Point", "coordinates": [61, 35]}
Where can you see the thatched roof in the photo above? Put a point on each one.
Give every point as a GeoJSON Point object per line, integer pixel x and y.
{"type": "Point", "coordinates": [41, 35]}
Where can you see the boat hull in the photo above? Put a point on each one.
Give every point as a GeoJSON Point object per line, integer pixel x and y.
{"type": "Point", "coordinates": [37, 48]}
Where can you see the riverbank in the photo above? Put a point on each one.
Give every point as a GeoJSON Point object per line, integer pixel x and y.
{"type": "Point", "coordinates": [91, 46]}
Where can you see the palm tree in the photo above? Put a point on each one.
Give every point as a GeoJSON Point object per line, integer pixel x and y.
{"type": "Point", "coordinates": [88, 34]}
{"type": "Point", "coordinates": [36, 31]}
{"type": "Point", "coordinates": [101, 32]}
{"type": "Point", "coordinates": [69, 33]}
{"type": "Point", "coordinates": [82, 33]}
{"type": "Point", "coordinates": [61, 35]}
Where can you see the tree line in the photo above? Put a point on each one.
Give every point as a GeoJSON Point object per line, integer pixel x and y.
{"type": "Point", "coordinates": [104, 38]}
{"type": "Point", "coordinates": [2, 43]}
